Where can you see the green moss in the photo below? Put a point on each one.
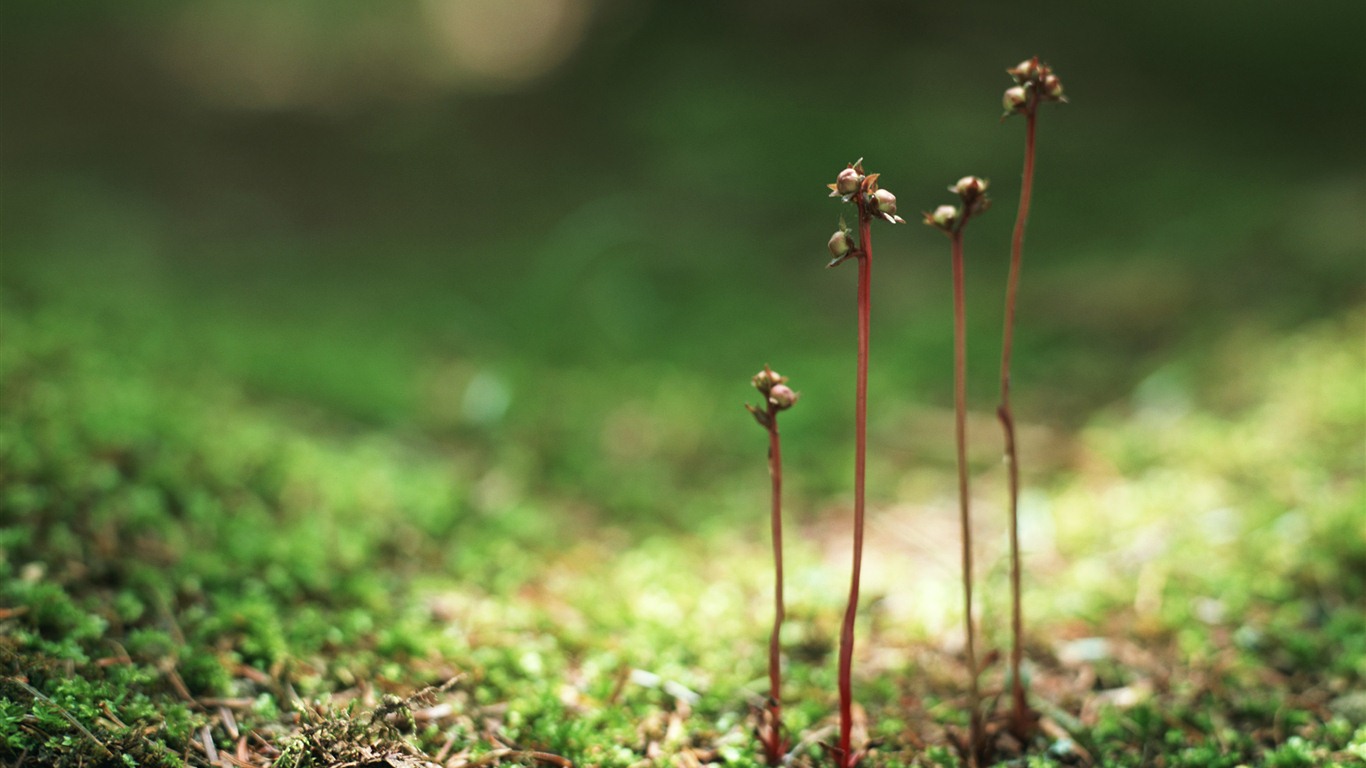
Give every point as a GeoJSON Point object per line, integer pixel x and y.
{"type": "Point", "coordinates": [166, 534]}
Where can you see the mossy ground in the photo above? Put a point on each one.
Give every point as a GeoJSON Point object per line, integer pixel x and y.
{"type": "Point", "coordinates": [193, 570]}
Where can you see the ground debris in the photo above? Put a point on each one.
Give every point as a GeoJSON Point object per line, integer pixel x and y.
{"type": "Point", "coordinates": [343, 739]}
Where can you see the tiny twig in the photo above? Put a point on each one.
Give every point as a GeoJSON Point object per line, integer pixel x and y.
{"type": "Point", "coordinates": [210, 749]}
{"type": "Point", "coordinates": [496, 755]}
{"type": "Point", "coordinates": [112, 715]}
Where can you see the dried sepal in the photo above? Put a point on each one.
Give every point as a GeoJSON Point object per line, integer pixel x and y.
{"type": "Point", "coordinates": [760, 415]}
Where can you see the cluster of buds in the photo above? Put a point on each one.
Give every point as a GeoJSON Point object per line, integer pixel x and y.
{"type": "Point", "coordinates": [777, 396]}
{"type": "Point", "coordinates": [853, 185]}
{"type": "Point", "coordinates": [1034, 82]}
{"type": "Point", "coordinates": [972, 192]}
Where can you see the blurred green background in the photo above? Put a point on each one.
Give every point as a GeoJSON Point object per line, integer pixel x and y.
{"type": "Point", "coordinates": [560, 235]}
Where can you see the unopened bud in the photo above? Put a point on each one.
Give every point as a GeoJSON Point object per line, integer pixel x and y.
{"type": "Point", "coordinates": [884, 205]}
{"type": "Point", "coordinates": [1051, 87]}
{"type": "Point", "coordinates": [782, 397]}
{"type": "Point", "coordinates": [1026, 71]}
{"type": "Point", "coordinates": [943, 217]}
{"type": "Point", "coordinates": [969, 187]}
{"type": "Point", "coordinates": [847, 183]}
{"type": "Point", "coordinates": [841, 244]}
{"type": "Point", "coordinates": [1014, 99]}
{"type": "Point", "coordinates": [884, 201]}
{"type": "Point", "coordinates": [765, 380]}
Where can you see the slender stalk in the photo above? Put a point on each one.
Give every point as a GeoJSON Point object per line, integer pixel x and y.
{"type": "Point", "coordinates": [773, 744]}
{"type": "Point", "coordinates": [952, 221]}
{"type": "Point", "coordinates": [777, 397]}
{"type": "Point", "coordinates": [865, 261]}
{"type": "Point", "coordinates": [964, 514]}
{"type": "Point", "coordinates": [1020, 721]}
{"type": "Point", "coordinates": [870, 200]}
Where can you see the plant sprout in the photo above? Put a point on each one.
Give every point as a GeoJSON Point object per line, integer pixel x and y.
{"type": "Point", "coordinates": [1035, 83]}
{"type": "Point", "coordinates": [952, 220]}
{"type": "Point", "coordinates": [777, 397]}
{"type": "Point", "coordinates": [854, 186]}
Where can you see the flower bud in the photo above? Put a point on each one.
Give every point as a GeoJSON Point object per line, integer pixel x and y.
{"type": "Point", "coordinates": [884, 201]}
{"type": "Point", "coordinates": [969, 187]}
{"type": "Point", "coordinates": [782, 397]}
{"type": "Point", "coordinates": [1015, 99]}
{"type": "Point", "coordinates": [1026, 71]}
{"type": "Point", "coordinates": [884, 205]}
{"type": "Point", "coordinates": [1051, 87]}
{"type": "Point", "coordinates": [841, 244]}
{"type": "Point", "coordinates": [765, 380]}
{"type": "Point", "coordinates": [944, 217]}
{"type": "Point", "coordinates": [847, 183]}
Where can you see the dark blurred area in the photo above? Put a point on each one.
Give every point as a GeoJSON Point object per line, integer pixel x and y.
{"type": "Point", "coordinates": [360, 204]}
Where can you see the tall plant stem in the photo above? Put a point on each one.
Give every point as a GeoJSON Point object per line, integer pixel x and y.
{"type": "Point", "coordinates": [774, 744]}
{"type": "Point", "coordinates": [1020, 722]}
{"type": "Point", "coordinates": [964, 514]}
{"type": "Point", "coordinates": [865, 261]}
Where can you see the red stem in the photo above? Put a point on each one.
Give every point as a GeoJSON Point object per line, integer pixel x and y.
{"type": "Point", "coordinates": [865, 260]}
{"type": "Point", "coordinates": [1020, 717]}
{"type": "Point", "coordinates": [773, 745]}
{"type": "Point", "coordinates": [964, 515]}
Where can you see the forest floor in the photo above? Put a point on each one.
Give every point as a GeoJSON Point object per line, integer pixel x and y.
{"type": "Point", "coordinates": [197, 572]}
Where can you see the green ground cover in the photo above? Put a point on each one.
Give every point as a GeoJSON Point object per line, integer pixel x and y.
{"type": "Point", "coordinates": [189, 562]}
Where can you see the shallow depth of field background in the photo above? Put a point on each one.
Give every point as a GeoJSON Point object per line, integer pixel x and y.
{"type": "Point", "coordinates": [564, 233]}
{"type": "Point", "coordinates": [542, 245]}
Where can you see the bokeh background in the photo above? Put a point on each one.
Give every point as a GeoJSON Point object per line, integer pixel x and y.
{"type": "Point", "coordinates": [558, 236]}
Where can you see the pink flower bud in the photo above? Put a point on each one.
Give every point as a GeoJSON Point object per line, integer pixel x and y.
{"type": "Point", "coordinates": [782, 397]}
{"type": "Point", "coordinates": [847, 183]}
{"type": "Point", "coordinates": [884, 201]}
